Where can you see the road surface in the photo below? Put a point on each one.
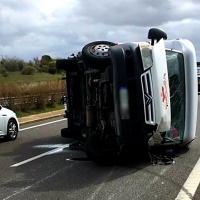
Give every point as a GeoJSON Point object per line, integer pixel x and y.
{"type": "Point", "coordinates": [40, 165]}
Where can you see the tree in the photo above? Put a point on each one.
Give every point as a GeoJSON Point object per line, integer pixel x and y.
{"type": "Point", "coordinates": [45, 60]}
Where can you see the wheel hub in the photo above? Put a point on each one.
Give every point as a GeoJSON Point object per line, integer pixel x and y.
{"type": "Point", "coordinates": [12, 130]}
{"type": "Point", "coordinates": [100, 50]}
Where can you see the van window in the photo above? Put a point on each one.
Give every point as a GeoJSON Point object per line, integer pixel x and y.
{"type": "Point", "coordinates": [175, 65]}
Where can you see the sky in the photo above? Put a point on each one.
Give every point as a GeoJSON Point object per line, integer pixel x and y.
{"type": "Point", "coordinates": [32, 28]}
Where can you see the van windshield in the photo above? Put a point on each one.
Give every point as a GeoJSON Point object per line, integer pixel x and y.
{"type": "Point", "coordinates": [175, 65]}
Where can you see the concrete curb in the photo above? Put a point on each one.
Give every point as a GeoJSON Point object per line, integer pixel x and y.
{"type": "Point", "coordinates": [39, 117]}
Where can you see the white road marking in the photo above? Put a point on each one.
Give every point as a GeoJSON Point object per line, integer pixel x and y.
{"type": "Point", "coordinates": [159, 176]}
{"type": "Point", "coordinates": [19, 191]}
{"type": "Point", "coordinates": [48, 146]}
{"type": "Point", "coordinates": [189, 188]}
{"type": "Point", "coordinates": [41, 155]}
{"type": "Point", "coordinates": [99, 188]}
{"type": "Point", "coordinates": [68, 159]}
{"type": "Point", "coordinates": [44, 124]}
{"type": "Point", "coordinates": [35, 184]}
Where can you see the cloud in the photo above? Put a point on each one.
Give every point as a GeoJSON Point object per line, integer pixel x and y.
{"type": "Point", "coordinates": [33, 28]}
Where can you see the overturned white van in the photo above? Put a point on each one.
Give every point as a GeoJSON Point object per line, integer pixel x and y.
{"type": "Point", "coordinates": [127, 97]}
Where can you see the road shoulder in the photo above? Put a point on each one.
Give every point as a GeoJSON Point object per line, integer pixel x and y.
{"type": "Point", "coordinates": [42, 116]}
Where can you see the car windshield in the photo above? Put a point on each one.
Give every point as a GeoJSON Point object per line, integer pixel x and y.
{"type": "Point", "coordinates": [176, 75]}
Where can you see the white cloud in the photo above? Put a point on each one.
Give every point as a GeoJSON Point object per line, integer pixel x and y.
{"type": "Point", "coordinates": [33, 28]}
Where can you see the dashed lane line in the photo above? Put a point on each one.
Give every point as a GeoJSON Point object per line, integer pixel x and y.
{"type": "Point", "coordinates": [44, 124]}
{"type": "Point", "coordinates": [190, 186]}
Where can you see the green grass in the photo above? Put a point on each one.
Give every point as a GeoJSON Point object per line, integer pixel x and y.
{"type": "Point", "coordinates": [17, 77]}
{"type": "Point", "coordinates": [33, 112]}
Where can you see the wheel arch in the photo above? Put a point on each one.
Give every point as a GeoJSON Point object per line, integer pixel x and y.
{"type": "Point", "coordinates": [12, 118]}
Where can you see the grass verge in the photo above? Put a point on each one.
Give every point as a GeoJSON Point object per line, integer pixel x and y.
{"type": "Point", "coordinates": [18, 77]}
{"type": "Point", "coordinates": [39, 111]}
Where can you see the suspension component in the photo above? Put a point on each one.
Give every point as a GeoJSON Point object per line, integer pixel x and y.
{"type": "Point", "coordinates": [91, 115]}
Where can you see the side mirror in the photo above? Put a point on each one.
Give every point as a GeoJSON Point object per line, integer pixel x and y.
{"type": "Point", "coordinates": [156, 34]}
{"type": "Point", "coordinates": [0, 107]}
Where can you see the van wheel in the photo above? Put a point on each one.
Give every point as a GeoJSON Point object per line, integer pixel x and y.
{"type": "Point", "coordinates": [95, 54]}
{"type": "Point", "coordinates": [101, 151]}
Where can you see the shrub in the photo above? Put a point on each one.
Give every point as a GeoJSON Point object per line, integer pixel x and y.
{"type": "Point", "coordinates": [52, 64]}
{"type": "Point", "coordinates": [26, 102]}
{"type": "Point", "coordinates": [12, 64]}
{"type": "Point", "coordinates": [38, 69]}
{"type": "Point", "coordinates": [45, 68]}
{"type": "Point", "coordinates": [3, 72]}
{"type": "Point", "coordinates": [21, 65]}
{"type": "Point", "coordinates": [52, 70]}
{"type": "Point", "coordinates": [36, 62]}
{"type": "Point", "coordinates": [28, 70]}
{"type": "Point", "coordinates": [2, 69]}
{"type": "Point", "coordinates": [40, 101]}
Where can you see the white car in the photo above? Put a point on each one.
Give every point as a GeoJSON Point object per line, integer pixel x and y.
{"type": "Point", "coordinates": [9, 124]}
{"type": "Point", "coordinates": [198, 75]}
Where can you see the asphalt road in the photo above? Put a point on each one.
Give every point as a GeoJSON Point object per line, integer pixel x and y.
{"type": "Point", "coordinates": [39, 165]}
